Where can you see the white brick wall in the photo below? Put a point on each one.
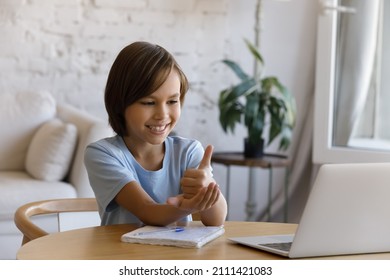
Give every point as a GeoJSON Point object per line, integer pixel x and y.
{"type": "Point", "coordinates": [67, 47]}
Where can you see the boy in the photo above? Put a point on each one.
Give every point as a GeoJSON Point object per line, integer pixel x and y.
{"type": "Point", "coordinates": [143, 175]}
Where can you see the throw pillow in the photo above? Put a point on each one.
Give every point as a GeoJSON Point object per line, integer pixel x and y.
{"type": "Point", "coordinates": [21, 114]}
{"type": "Point", "coordinates": [51, 150]}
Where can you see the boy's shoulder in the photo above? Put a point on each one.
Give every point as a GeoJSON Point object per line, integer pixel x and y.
{"type": "Point", "coordinates": [184, 146]}
{"type": "Point", "coordinates": [113, 142]}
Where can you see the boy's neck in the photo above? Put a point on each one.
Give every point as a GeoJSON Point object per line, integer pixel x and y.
{"type": "Point", "coordinates": [150, 157]}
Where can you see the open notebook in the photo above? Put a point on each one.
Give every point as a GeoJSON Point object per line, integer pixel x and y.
{"type": "Point", "coordinates": [348, 212]}
{"type": "Point", "coordinates": [192, 236]}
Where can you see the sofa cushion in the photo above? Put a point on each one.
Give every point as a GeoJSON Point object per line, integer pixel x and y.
{"type": "Point", "coordinates": [51, 150]}
{"type": "Point", "coordinates": [19, 188]}
{"type": "Point", "coordinates": [20, 116]}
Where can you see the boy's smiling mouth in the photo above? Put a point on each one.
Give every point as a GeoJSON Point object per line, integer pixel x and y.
{"type": "Point", "coordinates": [157, 128]}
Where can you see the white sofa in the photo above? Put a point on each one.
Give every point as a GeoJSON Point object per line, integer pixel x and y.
{"type": "Point", "coordinates": [41, 156]}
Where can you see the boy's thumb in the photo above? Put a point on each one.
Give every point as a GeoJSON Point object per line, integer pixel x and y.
{"type": "Point", "coordinates": [206, 160]}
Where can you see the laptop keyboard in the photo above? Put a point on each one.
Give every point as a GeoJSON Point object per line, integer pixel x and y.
{"type": "Point", "coordinates": [284, 246]}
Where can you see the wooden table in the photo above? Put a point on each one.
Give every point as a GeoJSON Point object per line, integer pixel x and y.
{"type": "Point", "coordinates": [268, 161]}
{"type": "Point", "coordinates": [103, 242]}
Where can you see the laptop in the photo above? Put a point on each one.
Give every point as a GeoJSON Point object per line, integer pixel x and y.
{"type": "Point", "coordinates": [347, 212]}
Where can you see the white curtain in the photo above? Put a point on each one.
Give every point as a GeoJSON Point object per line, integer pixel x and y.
{"type": "Point", "coordinates": [355, 64]}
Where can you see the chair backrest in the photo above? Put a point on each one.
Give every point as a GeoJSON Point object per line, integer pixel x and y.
{"type": "Point", "coordinates": [24, 213]}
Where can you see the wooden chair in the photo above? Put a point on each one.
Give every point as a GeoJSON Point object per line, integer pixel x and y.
{"type": "Point", "coordinates": [55, 206]}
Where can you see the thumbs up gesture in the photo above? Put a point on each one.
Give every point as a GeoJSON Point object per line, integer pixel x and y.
{"type": "Point", "coordinates": [194, 180]}
{"type": "Point", "coordinates": [205, 163]}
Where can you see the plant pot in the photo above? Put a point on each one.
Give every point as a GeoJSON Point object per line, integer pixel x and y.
{"type": "Point", "coordinates": [253, 150]}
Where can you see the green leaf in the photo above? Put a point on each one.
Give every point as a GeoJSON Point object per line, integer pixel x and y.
{"type": "Point", "coordinates": [229, 118]}
{"type": "Point", "coordinates": [268, 83]}
{"type": "Point", "coordinates": [251, 110]}
{"type": "Point", "coordinates": [274, 130]}
{"type": "Point", "coordinates": [236, 69]}
{"type": "Point", "coordinates": [291, 108]}
{"type": "Point", "coordinates": [230, 111]}
{"type": "Point", "coordinates": [234, 93]}
{"type": "Point", "coordinates": [255, 52]}
{"type": "Point", "coordinates": [254, 117]}
{"type": "Point", "coordinates": [285, 138]}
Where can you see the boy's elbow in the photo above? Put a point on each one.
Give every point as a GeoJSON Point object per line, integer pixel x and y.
{"type": "Point", "coordinates": [215, 221]}
{"type": "Point", "coordinates": [213, 224]}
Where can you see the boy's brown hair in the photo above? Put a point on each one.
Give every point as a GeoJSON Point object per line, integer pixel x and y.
{"type": "Point", "coordinates": [138, 70]}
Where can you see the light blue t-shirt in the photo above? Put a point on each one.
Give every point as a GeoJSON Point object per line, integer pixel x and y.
{"type": "Point", "coordinates": [111, 166]}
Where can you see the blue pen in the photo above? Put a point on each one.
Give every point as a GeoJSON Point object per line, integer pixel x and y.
{"type": "Point", "coordinates": [176, 229]}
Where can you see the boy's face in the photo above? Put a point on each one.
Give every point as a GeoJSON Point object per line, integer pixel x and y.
{"type": "Point", "coordinates": [151, 118]}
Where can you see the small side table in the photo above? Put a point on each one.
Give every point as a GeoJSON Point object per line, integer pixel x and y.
{"type": "Point", "coordinates": [268, 161]}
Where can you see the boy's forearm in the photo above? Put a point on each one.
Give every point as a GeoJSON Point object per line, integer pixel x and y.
{"type": "Point", "coordinates": [162, 214]}
{"type": "Point", "coordinates": [216, 215]}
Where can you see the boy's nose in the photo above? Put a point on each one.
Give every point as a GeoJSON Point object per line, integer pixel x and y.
{"type": "Point", "coordinates": [161, 112]}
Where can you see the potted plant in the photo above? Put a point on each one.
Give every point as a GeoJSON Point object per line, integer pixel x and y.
{"type": "Point", "coordinates": [257, 102]}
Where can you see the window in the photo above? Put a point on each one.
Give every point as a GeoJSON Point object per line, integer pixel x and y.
{"type": "Point", "coordinates": [352, 100]}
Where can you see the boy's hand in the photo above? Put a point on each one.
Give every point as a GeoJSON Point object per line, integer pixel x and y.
{"type": "Point", "coordinates": [195, 179]}
{"type": "Point", "coordinates": [203, 200]}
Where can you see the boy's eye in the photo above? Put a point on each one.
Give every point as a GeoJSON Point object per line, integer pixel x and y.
{"type": "Point", "coordinates": [148, 103]}
{"type": "Point", "coordinates": [173, 101]}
